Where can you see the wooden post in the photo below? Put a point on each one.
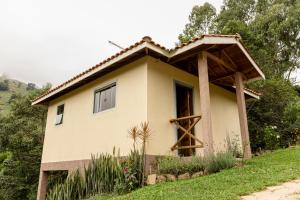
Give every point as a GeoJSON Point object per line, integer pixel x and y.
{"type": "Point", "coordinates": [42, 188]}
{"type": "Point", "coordinates": [242, 114]}
{"type": "Point", "coordinates": [205, 103]}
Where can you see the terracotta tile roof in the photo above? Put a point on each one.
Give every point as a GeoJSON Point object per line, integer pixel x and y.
{"type": "Point", "coordinates": [252, 91]}
{"type": "Point", "coordinates": [202, 36]}
{"type": "Point", "coordinates": [145, 39]}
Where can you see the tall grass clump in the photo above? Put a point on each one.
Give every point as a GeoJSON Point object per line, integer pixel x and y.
{"type": "Point", "coordinates": [178, 165]}
{"type": "Point", "coordinates": [219, 161]}
{"type": "Point", "coordinates": [212, 163]}
{"type": "Point", "coordinates": [72, 188]}
{"type": "Point", "coordinates": [102, 174]}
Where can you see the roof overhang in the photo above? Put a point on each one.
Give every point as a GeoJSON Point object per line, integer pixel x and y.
{"type": "Point", "coordinates": [147, 47]}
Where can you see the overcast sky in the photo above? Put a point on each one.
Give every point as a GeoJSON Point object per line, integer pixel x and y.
{"type": "Point", "coordinates": [50, 41]}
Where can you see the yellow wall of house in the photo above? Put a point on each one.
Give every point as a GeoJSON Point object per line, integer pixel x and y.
{"type": "Point", "coordinates": [145, 91]}
{"type": "Point", "coordinates": [162, 108]}
{"type": "Point", "coordinates": [83, 132]}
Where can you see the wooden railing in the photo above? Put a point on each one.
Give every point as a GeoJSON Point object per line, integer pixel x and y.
{"type": "Point", "coordinates": [187, 132]}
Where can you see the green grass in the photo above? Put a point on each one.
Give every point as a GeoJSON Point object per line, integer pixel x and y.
{"type": "Point", "coordinates": [257, 173]}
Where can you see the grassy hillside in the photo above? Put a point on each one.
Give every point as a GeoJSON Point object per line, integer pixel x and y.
{"type": "Point", "coordinates": [14, 87]}
{"type": "Point", "coordinates": [257, 173]}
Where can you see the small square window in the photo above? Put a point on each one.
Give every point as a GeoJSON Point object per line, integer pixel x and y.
{"type": "Point", "coordinates": [59, 114]}
{"type": "Point", "coordinates": [105, 98]}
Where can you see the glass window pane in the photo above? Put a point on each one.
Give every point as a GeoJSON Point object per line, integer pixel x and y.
{"type": "Point", "coordinates": [113, 96]}
{"type": "Point", "coordinates": [106, 98]}
{"type": "Point", "coordinates": [97, 102]}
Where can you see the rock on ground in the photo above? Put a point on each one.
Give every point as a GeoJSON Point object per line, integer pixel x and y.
{"type": "Point", "coordinates": [160, 179]}
{"type": "Point", "coordinates": [170, 177]}
{"type": "Point", "coordinates": [184, 176]}
{"type": "Point", "coordinates": [151, 179]}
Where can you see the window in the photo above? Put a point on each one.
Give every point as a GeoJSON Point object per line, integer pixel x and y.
{"type": "Point", "coordinates": [105, 98]}
{"type": "Point", "coordinates": [59, 114]}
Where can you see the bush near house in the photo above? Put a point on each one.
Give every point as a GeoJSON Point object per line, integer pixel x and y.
{"type": "Point", "coordinates": [211, 164]}
{"type": "Point", "coordinates": [255, 175]}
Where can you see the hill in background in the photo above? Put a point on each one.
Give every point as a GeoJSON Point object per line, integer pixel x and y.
{"type": "Point", "coordinates": [9, 88]}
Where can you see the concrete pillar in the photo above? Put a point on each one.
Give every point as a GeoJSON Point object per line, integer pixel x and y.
{"type": "Point", "coordinates": [205, 104]}
{"type": "Point", "coordinates": [242, 114]}
{"type": "Point", "coordinates": [42, 188]}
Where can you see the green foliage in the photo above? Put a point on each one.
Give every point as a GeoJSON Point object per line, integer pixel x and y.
{"type": "Point", "coordinates": [133, 170]}
{"type": "Point", "coordinates": [278, 107]}
{"type": "Point", "coordinates": [234, 146]}
{"type": "Point", "coordinates": [220, 161]}
{"type": "Point", "coordinates": [14, 87]}
{"type": "Point", "coordinates": [256, 174]}
{"type": "Point", "coordinates": [21, 134]}
{"type": "Point", "coordinates": [102, 175]}
{"type": "Point", "coordinates": [270, 30]}
{"type": "Point", "coordinates": [171, 165]}
{"type": "Point", "coordinates": [201, 21]}
{"type": "Point", "coordinates": [3, 86]}
{"type": "Point", "coordinates": [178, 165]}
{"type": "Point", "coordinates": [271, 138]}
{"type": "Point", "coordinates": [4, 156]}
{"type": "Point", "coordinates": [72, 188]}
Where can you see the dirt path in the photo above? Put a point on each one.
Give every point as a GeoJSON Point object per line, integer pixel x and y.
{"type": "Point", "coordinates": [287, 191]}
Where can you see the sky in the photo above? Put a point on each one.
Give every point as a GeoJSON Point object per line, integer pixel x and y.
{"type": "Point", "coordinates": [51, 41]}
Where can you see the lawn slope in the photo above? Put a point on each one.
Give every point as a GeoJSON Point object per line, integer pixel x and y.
{"type": "Point", "coordinates": [257, 173]}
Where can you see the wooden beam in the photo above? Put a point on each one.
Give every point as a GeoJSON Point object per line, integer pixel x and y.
{"type": "Point", "coordinates": [189, 147]}
{"type": "Point", "coordinates": [220, 61]}
{"type": "Point", "coordinates": [242, 114]}
{"type": "Point", "coordinates": [229, 58]}
{"type": "Point", "coordinates": [226, 76]}
{"type": "Point", "coordinates": [222, 77]}
{"type": "Point", "coordinates": [187, 117]}
{"type": "Point", "coordinates": [205, 103]}
{"type": "Point", "coordinates": [180, 58]}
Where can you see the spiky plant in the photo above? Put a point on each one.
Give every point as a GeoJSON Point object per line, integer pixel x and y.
{"type": "Point", "coordinates": [134, 135]}
{"type": "Point", "coordinates": [144, 135]}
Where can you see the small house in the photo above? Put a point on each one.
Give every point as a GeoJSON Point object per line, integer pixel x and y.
{"type": "Point", "coordinates": [193, 97]}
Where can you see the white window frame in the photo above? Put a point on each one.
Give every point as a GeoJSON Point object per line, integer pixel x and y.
{"type": "Point", "coordinates": [100, 89]}
{"type": "Point", "coordinates": [62, 115]}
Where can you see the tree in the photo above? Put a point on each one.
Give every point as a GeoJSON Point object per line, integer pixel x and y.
{"type": "Point", "coordinates": [3, 86]}
{"type": "Point", "coordinates": [21, 134]}
{"type": "Point", "coordinates": [200, 21]}
{"type": "Point", "coordinates": [277, 108]}
{"type": "Point", "coordinates": [30, 86]}
{"type": "Point", "coordinates": [271, 32]}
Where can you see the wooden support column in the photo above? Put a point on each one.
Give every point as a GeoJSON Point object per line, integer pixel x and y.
{"type": "Point", "coordinates": [205, 103]}
{"type": "Point", "coordinates": [242, 114]}
{"type": "Point", "coordinates": [42, 188]}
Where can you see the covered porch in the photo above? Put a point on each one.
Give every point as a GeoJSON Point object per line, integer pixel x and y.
{"type": "Point", "coordinates": [222, 61]}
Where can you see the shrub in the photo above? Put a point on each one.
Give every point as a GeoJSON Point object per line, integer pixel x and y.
{"type": "Point", "coordinates": [196, 164]}
{"type": "Point", "coordinates": [72, 188]}
{"type": "Point", "coordinates": [271, 138]}
{"type": "Point", "coordinates": [219, 161]}
{"type": "Point", "coordinates": [101, 176]}
{"type": "Point", "coordinates": [234, 146]}
{"type": "Point", "coordinates": [133, 170]}
{"type": "Point", "coordinates": [177, 165]}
